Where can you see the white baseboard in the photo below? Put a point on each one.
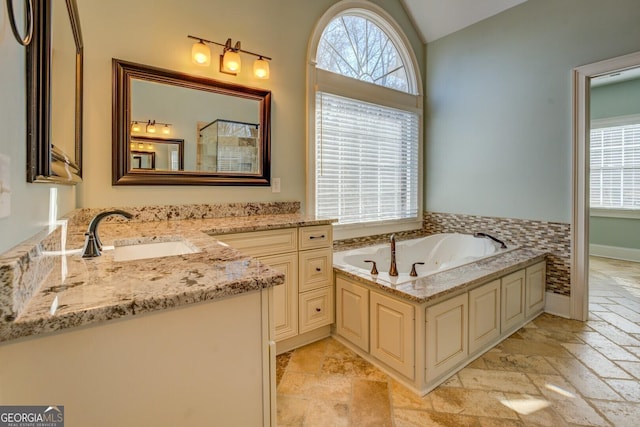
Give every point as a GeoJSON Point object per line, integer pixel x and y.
{"type": "Point", "coordinates": [627, 254]}
{"type": "Point", "coordinates": [559, 305]}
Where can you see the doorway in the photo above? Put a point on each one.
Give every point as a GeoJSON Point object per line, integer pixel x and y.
{"type": "Point", "coordinates": [582, 77]}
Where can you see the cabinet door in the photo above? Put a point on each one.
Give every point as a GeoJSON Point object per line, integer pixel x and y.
{"type": "Point", "coordinates": [317, 236]}
{"type": "Point", "coordinates": [352, 313]}
{"type": "Point", "coordinates": [392, 333]}
{"type": "Point", "coordinates": [512, 295]}
{"type": "Point", "coordinates": [316, 269]}
{"type": "Point", "coordinates": [263, 243]}
{"type": "Point", "coordinates": [316, 309]}
{"type": "Point", "coordinates": [446, 336]}
{"type": "Point", "coordinates": [484, 315]}
{"type": "Point", "coordinates": [285, 306]}
{"type": "Point", "coordinates": [535, 289]}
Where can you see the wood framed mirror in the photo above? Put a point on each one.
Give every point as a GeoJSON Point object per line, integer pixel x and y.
{"type": "Point", "coordinates": [224, 128]}
{"type": "Point", "coordinates": [54, 94]}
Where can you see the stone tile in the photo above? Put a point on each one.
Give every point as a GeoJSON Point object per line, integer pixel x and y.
{"type": "Point", "coordinates": [533, 410]}
{"type": "Point", "coordinates": [602, 366]}
{"type": "Point", "coordinates": [614, 334]}
{"type": "Point", "coordinates": [625, 312]}
{"type": "Point", "coordinates": [583, 379]}
{"type": "Point", "coordinates": [519, 346]}
{"type": "Point", "coordinates": [402, 397]}
{"type": "Point", "coordinates": [354, 366]}
{"type": "Point", "coordinates": [629, 389]}
{"type": "Point", "coordinates": [454, 381]}
{"type": "Point", "coordinates": [609, 349]}
{"type": "Point", "coordinates": [308, 358]}
{"type": "Point", "coordinates": [326, 387]}
{"type": "Point", "coordinates": [505, 381]}
{"type": "Point", "coordinates": [291, 411]}
{"type": "Point", "coordinates": [632, 367]}
{"type": "Point", "coordinates": [470, 402]}
{"type": "Point", "coordinates": [499, 422]}
{"type": "Point", "coordinates": [370, 405]}
{"type": "Point", "coordinates": [412, 418]}
{"type": "Point", "coordinates": [620, 322]}
{"type": "Point", "coordinates": [551, 335]}
{"type": "Point", "coordinates": [321, 413]}
{"type": "Point", "coordinates": [597, 307]}
{"type": "Point", "coordinates": [578, 411]}
{"type": "Point", "coordinates": [634, 350]}
{"type": "Point", "coordinates": [497, 360]}
{"type": "Point", "coordinates": [620, 414]}
{"type": "Point", "coordinates": [281, 365]}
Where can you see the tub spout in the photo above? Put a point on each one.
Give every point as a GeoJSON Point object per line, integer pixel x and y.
{"type": "Point", "coordinates": [393, 269]}
{"type": "Point", "coordinates": [488, 236]}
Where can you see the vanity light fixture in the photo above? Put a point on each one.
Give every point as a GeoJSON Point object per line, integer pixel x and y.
{"type": "Point", "coordinates": [230, 61]}
{"type": "Point", "coordinates": [135, 127]}
{"type": "Point", "coordinates": [166, 130]}
{"type": "Point", "coordinates": [151, 126]}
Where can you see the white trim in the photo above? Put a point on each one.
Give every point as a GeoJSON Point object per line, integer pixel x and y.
{"type": "Point", "coordinates": [350, 231]}
{"type": "Point", "coordinates": [580, 205]}
{"type": "Point", "coordinates": [558, 305]}
{"type": "Point", "coordinates": [615, 213]}
{"type": "Point", "coordinates": [615, 252]}
{"type": "Point", "coordinates": [314, 76]}
{"type": "Point", "coordinates": [606, 122]}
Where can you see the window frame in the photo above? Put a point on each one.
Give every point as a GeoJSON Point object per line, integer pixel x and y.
{"type": "Point", "coordinates": [319, 80]}
{"type": "Point", "coordinates": [611, 212]}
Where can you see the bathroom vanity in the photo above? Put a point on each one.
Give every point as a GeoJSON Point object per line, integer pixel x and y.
{"type": "Point", "coordinates": [169, 340]}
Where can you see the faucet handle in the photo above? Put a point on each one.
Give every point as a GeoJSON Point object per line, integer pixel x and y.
{"type": "Point", "coordinates": [91, 248]}
{"type": "Point", "coordinates": [414, 273]}
{"type": "Point", "coordinates": [374, 269]}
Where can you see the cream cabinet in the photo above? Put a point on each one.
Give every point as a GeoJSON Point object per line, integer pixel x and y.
{"type": "Point", "coordinates": [484, 315]}
{"type": "Point", "coordinates": [304, 303]}
{"type": "Point", "coordinates": [447, 332]}
{"type": "Point", "coordinates": [392, 333]}
{"type": "Point", "coordinates": [536, 278]}
{"type": "Point", "coordinates": [352, 312]}
{"type": "Point", "coordinates": [512, 301]}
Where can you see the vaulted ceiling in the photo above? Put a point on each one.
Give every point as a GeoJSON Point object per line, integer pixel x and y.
{"type": "Point", "coordinates": [437, 18]}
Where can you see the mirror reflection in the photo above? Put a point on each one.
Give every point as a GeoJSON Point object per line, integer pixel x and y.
{"type": "Point", "coordinates": [173, 128]}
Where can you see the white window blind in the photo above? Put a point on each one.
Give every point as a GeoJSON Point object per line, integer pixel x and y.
{"type": "Point", "coordinates": [615, 167]}
{"type": "Point", "coordinates": [366, 161]}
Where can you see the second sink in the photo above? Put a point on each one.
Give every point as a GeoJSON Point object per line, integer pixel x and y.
{"type": "Point", "coordinates": [152, 250]}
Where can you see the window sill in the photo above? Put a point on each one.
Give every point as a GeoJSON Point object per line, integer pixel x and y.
{"type": "Point", "coordinates": [350, 231]}
{"type": "Point", "coordinates": [615, 213]}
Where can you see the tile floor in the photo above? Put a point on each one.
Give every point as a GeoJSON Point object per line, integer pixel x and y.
{"type": "Point", "coordinates": [552, 372]}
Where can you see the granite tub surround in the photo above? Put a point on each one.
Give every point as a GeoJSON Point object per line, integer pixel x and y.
{"type": "Point", "coordinates": [46, 289]}
{"type": "Point", "coordinates": [453, 281]}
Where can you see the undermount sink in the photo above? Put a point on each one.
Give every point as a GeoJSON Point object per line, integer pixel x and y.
{"type": "Point", "coordinates": [152, 250]}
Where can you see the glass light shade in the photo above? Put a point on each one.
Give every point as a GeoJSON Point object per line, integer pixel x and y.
{"type": "Point", "coordinates": [135, 127]}
{"type": "Point", "coordinates": [149, 146]}
{"type": "Point", "coordinates": [261, 68]}
{"type": "Point", "coordinates": [201, 54]}
{"type": "Point", "coordinates": [151, 128]}
{"type": "Point", "coordinates": [231, 62]}
{"type": "Point", "coordinates": [140, 145]}
{"type": "Point", "coordinates": [166, 130]}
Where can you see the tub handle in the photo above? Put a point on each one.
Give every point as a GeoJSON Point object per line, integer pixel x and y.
{"type": "Point", "coordinates": [374, 269]}
{"type": "Point", "coordinates": [414, 273]}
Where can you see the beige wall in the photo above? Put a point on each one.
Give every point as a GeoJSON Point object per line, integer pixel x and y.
{"type": "Point", "coordinates": [30, 203]}
{"type": "Point", "coordinates": [155, 33]}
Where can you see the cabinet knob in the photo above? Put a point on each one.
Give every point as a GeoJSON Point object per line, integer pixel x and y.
{"type": "Point", "coordinates": [318, 269]}
{"type": "Point", "coordinates": [318, 309]}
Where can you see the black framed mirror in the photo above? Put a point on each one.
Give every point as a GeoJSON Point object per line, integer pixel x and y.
{"type": "Point", "coordinates": [224, 128]}
{"type": "Point", "coordinates": [54, 61]}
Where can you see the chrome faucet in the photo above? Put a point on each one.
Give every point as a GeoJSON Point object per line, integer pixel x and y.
{"type": "Point", "coordinates": [393, 269]}
{"type": "Point", "coordinates": [92, 243]}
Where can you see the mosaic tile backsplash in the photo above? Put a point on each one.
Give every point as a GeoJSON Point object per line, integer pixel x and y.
{"type": "Point", "coordinates": [551, 237]}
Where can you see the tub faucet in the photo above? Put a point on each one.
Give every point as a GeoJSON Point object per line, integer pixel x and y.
{"type": "Point", "coordinates": [393, 269]}
{"type": "Point", "coordinates": [502, 245]}
{"type": "Point", "coordinates": [92, 243]}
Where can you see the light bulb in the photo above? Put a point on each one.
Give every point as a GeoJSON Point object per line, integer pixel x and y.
{"type": "Point", "coordinates": [201, 54]}
{"type": "Point", "coordinates": [166, 130]}
{"type": "Point", "coordinates": [261, 68]}
{"type": "Point", "coordinates": [151, 127]}
{"type": "Point", "coordinates": [231, 62]}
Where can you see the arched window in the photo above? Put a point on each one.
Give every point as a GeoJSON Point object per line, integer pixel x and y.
{"type": "Point", "coordinates": [366, 120]}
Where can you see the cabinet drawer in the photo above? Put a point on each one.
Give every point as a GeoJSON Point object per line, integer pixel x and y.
{"type": "Point", "coordinates": [259, 243]}
{"type": "Point", "coordinates": [317, 236]}
{"type": "Point", "coordinates": [316, 309]}
{"type": "Point", "coordinates": [316, 269]}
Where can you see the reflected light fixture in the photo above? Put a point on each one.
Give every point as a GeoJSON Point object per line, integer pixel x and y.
{"type": "Point", "coordinates": [201, 54]}
{"type": "Point", "coordinates": [230, 61]}
{"type": "Point", "coordinates": [166, 130]}
{"type": "Point", "coordinates": [135, 127]}
{"type": "Point", "coordinates": [151, 126]}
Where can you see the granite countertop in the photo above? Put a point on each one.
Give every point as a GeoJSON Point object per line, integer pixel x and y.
{"type": "Point", "coordinates": [80, 291]}
{"type": "Point", "coordinates": [450, 282]}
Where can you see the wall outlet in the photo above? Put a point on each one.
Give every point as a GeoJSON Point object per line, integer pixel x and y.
{"type": "Point", "coordinates": [275, 185]}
